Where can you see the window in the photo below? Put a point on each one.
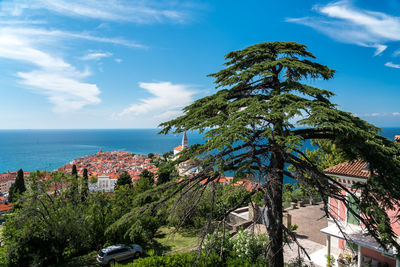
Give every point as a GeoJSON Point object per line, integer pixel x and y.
{"type": "Point", "coordinates": [350, 216]}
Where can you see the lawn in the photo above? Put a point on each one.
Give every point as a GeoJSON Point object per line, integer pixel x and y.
{"type": "Point", "coordinates": [182, 241]}
{"type": "Point", "coordinates": [166, 242]}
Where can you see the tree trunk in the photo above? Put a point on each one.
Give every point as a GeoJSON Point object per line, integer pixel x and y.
{"type": "Point", "coordinates": [274, 209]}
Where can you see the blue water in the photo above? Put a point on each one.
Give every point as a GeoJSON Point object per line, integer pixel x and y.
{"type": "Point", "coordinates": [50, 149]}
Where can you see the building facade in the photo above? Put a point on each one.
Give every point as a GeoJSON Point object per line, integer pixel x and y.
{"type": "Point", "coordinates": [368, 251]}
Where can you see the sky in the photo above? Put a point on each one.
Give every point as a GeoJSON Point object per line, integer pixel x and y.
{"type": "Point", "coordinates": [136, 63]}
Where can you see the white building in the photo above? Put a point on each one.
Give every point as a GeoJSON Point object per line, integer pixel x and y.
{"type": "Point", "coordinates": [105, 183]}
{"type": "Point", "coordinates": [184, 145]}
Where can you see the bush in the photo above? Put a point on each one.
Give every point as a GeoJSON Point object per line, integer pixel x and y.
{"type": "Point", "coordinates": [191, 259]}
{"type": "Point", "coordinates": [248, 245]}
{"type": "Point", "coordinates": [298, 194]}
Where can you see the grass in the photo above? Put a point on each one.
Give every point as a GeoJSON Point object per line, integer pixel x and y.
{"type": "Point", "coordinates": [182, 241]}
{"type": "Point", "coordinates": [166, 242]}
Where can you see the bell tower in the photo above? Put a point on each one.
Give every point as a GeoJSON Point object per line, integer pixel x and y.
{"type": "Point", "coordinates": [185, 142]}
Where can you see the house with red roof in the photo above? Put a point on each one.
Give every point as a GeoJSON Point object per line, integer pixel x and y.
{"type": "Point", "coordinates": [4, 205]}
{"type": "Point", "coordinates": [367, 249]}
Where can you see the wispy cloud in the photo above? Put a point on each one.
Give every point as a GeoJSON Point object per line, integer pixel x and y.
{"type": "Point", "coordinates": [346, 23]}
{"type": "Point", "coordinates": [27, 35]}
{"type": "Point", "coordinates": [39, 34]}
{"type": "Point", "coordinates": [136, 11]}
{"type": "Point", "coordinates": [166, 101]}
{"type": "Point", "coordinates": [396, 53]}
{"type": "Point", "coordinates": [392, 65]}
{"type": "Point", "coordinates": [53, 76]}
{"type": "Point", "coordinates": [377, 114]}
{"type": "Point", "coordinates": [96, 56]}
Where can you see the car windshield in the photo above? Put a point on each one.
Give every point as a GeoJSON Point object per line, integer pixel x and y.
{"type": "Point", "coordinates": [101, 253]}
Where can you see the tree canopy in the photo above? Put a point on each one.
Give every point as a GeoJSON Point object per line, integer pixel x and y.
{"type": "Point", "coordinates": [124, 179]}
{"type": "Point", "coordinates": [260, 116]}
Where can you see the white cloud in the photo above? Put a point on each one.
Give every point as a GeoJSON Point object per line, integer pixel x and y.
{"type": "Point", "coordinates": [166, 101]}
{"type": "Point", "coordinates": [396, 113]}
{"type": "Point", "coordinates": [396, 53]}
{"type": "Point", "coordinates": [118, 60]}
{"type": "Point", "coordinates": [391, 65]}
{"type": "Point", "coordinates": [96, 55]}
{"type": "Point", "coordinates": [117, 10]}
{"type": "Point", "coordinates": [53, 76]}
{"type": "Point", "coordinates": [346, 23]}
{"type": "Point", "coordinates": [67, 93]}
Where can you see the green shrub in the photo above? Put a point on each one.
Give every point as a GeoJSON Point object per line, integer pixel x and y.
{"type": "Point", "coordinates": [191, 259]}
{"type": "Point", "coordinates": [248, 245]}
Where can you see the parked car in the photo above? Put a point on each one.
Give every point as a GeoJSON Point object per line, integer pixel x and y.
{"type": "Point", "coordinates": [112, 254]}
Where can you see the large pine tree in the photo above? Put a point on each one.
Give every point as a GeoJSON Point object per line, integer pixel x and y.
{"type": "Point", "coordinates": [263, 112]}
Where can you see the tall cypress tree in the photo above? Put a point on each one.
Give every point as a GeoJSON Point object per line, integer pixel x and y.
{"type": "Point", "coordinates": [74, 172]}
{"type": "Point", "coordinates": [18, 187]}
{"type": "Point", "coordinates": [263, 113]}
{"type": "Point", "coordinates": [74, 181]}
{"type": "Point", "coordinates": [85, 185]}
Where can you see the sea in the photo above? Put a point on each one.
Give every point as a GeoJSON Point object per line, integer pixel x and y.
{"type": "Point", "coordinates": [50, 149]}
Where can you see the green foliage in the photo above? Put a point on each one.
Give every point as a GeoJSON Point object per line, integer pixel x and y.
{"type": "Point", "coordinates": [124, 179]}
{"type": "Point", "coordinates": [145, 182]}
{"type": "Point", "coordinates": [298, 194]}
{"type": "Point", "coordinates": [168, 154]}
{"type": "Point", "coordinates": [150, 155]}
{"type": "Point", "coordinates": [74, 182]}
{"type": "Point", "coordinates": [93, 179]}
{"type": "Point", "coordinates": [243, 245]}
{"type": "Point", "coordinates": [74, 172]}
{"type": "Point", "coordinates": [166, 172]}
{"type": "Point", "coordinates": [326, 154]}
{"type": "Point", "coordinates": [287, 193]}
{"type": "Point", "coordinates": [228, 197]}
{"type": "Point", "coordinates": [247, 245]}
{"type": "Point", "coordinates": [192, 259]}
{"type": "Point", "coordinates": [85, 185]}
{"type": "Point", "coordinates": [297, 262]}
{"type": "Point", "coordinates": [52, 225]}
{"type": "Point", "coordinates": [18, 187]}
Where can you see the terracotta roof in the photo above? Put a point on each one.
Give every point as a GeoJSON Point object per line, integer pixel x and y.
{"type": "Point", "coordinates": [179, 148]}
{"type": "Point", "coordinates": [355, 168]}
{"type": "Point", "coordinates": [5, 207]}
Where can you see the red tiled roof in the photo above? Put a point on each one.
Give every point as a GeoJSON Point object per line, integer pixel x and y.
{"type": "Point", "coordinates": [179, 148]}
{"type": "Point", "coordinates": [355, 168]}
{"type": "Point", "coordinates": [5, 207]}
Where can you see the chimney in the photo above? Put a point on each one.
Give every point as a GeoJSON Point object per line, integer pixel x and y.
{"type": "Point", "coordinates": [397, 138]}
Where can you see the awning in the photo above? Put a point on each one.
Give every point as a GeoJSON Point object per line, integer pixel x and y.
{"type": "Point", "coordinates": [357, 235]}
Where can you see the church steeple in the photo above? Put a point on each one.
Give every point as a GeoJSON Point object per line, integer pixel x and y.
{"type": "Point", "coordinates": [184, 141]}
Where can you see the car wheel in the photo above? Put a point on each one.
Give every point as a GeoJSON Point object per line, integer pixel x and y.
{"type": "Point", "coordinates": [111, 262]}
{"type": "Point", "coordinates": [137, 254]}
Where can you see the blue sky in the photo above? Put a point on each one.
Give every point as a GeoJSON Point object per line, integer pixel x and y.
{"type": "Point", "coordinates": [134, 64]}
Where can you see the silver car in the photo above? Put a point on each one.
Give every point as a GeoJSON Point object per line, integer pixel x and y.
{"type": "Point", "coordinates": [112, 254]}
